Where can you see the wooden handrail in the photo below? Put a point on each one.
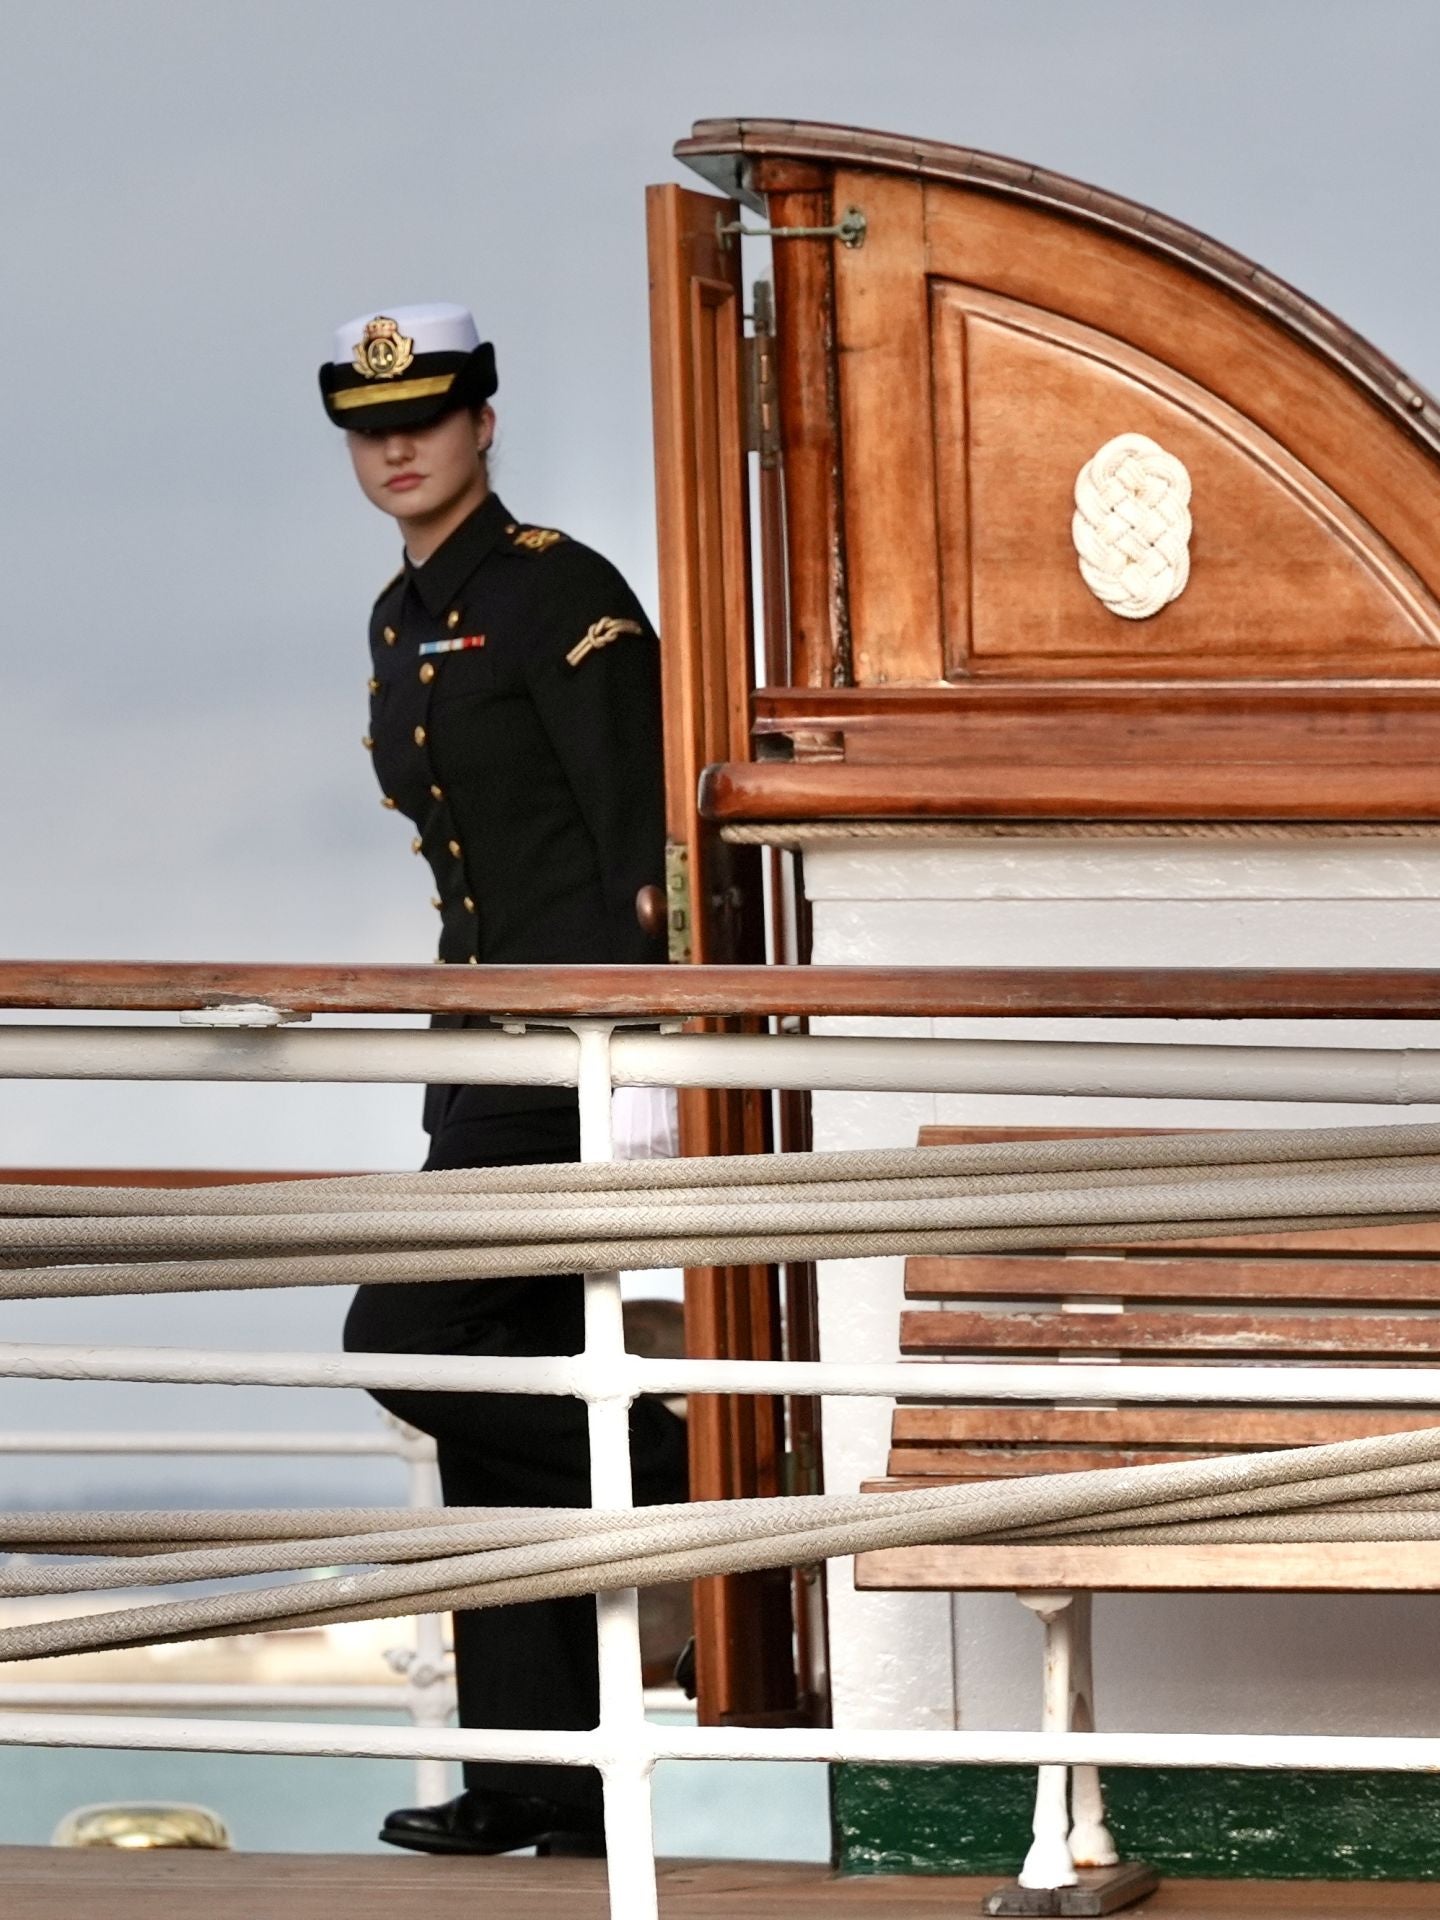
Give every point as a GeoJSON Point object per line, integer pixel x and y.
{"type": "Point", "coordinates": [773, 790]}
{"type": "Point", "coordinates": [1320, 993]}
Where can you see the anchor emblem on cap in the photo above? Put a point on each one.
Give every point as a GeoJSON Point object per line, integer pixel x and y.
{"type": "Point", "coordinates": [384, 351]}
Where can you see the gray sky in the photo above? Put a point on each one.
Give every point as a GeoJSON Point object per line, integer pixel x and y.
{"type": "Point", "coordinates": [197, 193]}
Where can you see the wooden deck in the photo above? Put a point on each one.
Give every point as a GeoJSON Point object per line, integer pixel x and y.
{"type": "Point", "coordinates": [41, 1883]}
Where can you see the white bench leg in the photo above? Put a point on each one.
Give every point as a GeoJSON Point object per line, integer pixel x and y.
{"type": "Point", "coordinates": [1091, 1844]}
{"type": "Point", "coordinates": [1049, 1862]}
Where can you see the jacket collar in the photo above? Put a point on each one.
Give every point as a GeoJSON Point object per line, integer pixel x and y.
{"type": "Point", "coordinates": [440, 579]}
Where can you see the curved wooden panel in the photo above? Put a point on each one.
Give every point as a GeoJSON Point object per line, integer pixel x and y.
{"type": "Point", "coordinates": [1238, 354]}
{"type": "Point", "coordinates": [748, 159]}
{"type": "Point", "coordinates": [1285, 576]}
{"type": "Point", "coordinates": [997, 325]}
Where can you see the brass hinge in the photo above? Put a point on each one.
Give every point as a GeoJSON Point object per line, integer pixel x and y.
{"type": "Point", "coordinates": [762, 413]}
{"type": "Point", "coordinates": [680, 923]}
{"type": "Point", "coordinates": [800, 1469]}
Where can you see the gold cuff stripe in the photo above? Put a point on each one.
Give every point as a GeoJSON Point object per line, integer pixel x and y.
{"type": "Point", "coordinates": [397, 390]}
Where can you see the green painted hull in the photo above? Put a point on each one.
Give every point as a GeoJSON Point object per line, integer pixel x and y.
{"type": "Point", "coordinates": [1195, 1823]}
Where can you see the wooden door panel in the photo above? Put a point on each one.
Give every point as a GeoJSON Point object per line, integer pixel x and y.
{"type": "Point", "coordinates": [943, 376]}
{"type": "Point", "coordinates": [1284, 577]}
{"type": "Point", "coordinates": [1163, 308]}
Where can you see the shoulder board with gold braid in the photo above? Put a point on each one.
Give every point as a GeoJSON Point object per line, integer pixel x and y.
{"type": "Point", "coordinates": [536, 539]}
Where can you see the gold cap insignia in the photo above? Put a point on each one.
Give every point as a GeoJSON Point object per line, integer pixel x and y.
{"type": "Point", "coordinates": [601, 635]}
{"type": "Point", "coordinates": [537, 539]}
{"type": "Point", "coordinates": [384, 352]}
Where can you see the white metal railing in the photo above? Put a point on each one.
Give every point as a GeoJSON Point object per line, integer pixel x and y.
{"type": "Point", "coordinates": [425, 1693]}
{"type": "Point", "coordinates": [537, 1056]}
{"type": "Point", "coordinates": [593, 1056]}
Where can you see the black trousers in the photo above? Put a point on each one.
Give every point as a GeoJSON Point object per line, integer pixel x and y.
{"type": "Point", "coordinates": [533, 1665]}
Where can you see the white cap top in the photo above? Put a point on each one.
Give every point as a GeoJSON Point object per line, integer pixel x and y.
{"type": "Point", "coordinates": [437, 328]}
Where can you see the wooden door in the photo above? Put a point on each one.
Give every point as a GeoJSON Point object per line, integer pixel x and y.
{"type": "Point", "coordinates": [744, 1629]}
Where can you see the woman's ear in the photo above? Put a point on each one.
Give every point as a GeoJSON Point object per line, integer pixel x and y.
{"type": "Point", "coordinates": [484, 430]}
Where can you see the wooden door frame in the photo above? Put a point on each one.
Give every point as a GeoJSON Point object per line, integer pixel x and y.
{"type": "Point", "coordinates": [745, 1625]}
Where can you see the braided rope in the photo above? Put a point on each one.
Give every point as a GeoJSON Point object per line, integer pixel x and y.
{"type": "Point", "coordinates": [1131, 526]}
{"type": "Point", "coordinates": [477, 1557]}
{"type": "Point", "coordinates": [504, 1222]}
{"type": "Point", "coordinates": [699, 1212]}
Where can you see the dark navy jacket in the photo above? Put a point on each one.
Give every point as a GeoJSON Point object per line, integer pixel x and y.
{"type": "Point", "coordinates": [515, 721]}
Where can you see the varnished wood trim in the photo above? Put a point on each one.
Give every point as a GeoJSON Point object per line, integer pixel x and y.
{"type": "Point", "coordinates": [726, 152]}
{"type": "Point", "coordinates": [1205, 1427]}
{"type": "Point", "coordinates": [776, 791]}
{"type": "Point", "coordinates": [810, 431]}
{"type": "Point", "coordinates": [1389, 1566]}
{"type": "Point", "coordinates": [1265, 993]}
{"type": "Point", "coordinates": [1240, 1337]}
{"type": "Point", "coordinates": [777, 709]}
{"type": "Point", "coordinates": [882, 323]}
{"type": "Point", "coordinates": [151, 1176]}
{"type": "Point", "coordinates": [1137, 1279]}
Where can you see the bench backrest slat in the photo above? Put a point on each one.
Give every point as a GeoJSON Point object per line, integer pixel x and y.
{"type": "Point", "coordinates": [1191, 1276]}
{"type": "Point", "coordinates": [1350, 1296]}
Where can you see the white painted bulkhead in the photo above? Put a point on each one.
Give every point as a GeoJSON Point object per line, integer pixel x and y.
{"type": "Point", "coordinates": [1272, 1663]}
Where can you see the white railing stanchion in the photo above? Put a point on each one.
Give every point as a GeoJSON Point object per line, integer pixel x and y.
{"type": "Point", "coordinates": [629, 1827]}
{"type": "Point", "coordinates": [1049, 1862]}
{"type": "Point", "coordinates": [429, 1693]}
{"type": "Point", "coordinates": [1091, 1842]}
{"type": "Point", "coordinates": [428, 1696]}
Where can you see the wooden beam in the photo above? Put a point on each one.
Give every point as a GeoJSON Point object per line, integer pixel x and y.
{"type": "Point", "coordinates": [774, 791]}
{"type": "Point", "coordinates": [1307, 993]}
{"type": "Point", "coordinates": [1247, 1337]}
{"type": "Point", "coordinates": [1331, 1566]}
{"type": "Point", "coordinates": [1229, 1428]}
{"type": "Point", "coordinates": [1135, 1278]}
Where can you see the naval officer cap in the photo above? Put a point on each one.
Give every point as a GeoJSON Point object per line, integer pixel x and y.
{"type": "Point", "coordinates": [406, 367]}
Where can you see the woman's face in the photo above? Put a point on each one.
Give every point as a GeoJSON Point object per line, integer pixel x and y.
{"type": "Point", "coordinates": [415, 473]}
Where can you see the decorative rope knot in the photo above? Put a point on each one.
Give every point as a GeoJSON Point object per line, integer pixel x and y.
{"type": "Point", "coordinates": [1132, 526]}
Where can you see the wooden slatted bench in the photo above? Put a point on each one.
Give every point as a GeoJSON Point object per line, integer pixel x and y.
{"type": "Point", "coordinates": [1348, 1297]}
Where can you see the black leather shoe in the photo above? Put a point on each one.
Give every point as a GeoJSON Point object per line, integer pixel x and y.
{"type": "Point", "coordinates": [496, 1823]}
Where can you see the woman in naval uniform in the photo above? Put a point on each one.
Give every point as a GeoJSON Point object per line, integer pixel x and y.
{"type": "Point", "coordinates": [515, 722]}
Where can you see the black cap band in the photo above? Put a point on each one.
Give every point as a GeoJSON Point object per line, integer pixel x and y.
{"type": "Point", "coordinates": [432, 384]}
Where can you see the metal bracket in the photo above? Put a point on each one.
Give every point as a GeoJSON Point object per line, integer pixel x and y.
{"type": "Point", "coordinates": [850, 231]}
{"type": "Point", "coordinates": [800, 1467]}
{"type": "Point", "coordinates": [762, 411]}
{"type": "Point", "coordinates": [678, 897]}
